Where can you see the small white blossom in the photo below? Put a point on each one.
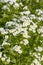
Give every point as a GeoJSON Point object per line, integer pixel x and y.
{"type": "Point", "coordinates": [25, 8]}
{"type": "Point", "coordinates": [9, 23]}
{"type": "Point", "coordinates": [40, 49]}
{"type": "Point", "coordinates": [16, 5]}
{"type": "Point", "coordinates": [32, 16]}
{"type": "Point", "coordinates": [8, 0]}
{"type": "Point", "coordinates": [8, 60]}
{"type": "Point", "coordinates": [0, 54]}
{"type": "Point", "coordinates": [12, 30]}
{"type": "Point", "coordinates": [32, 63]}
{"type": "Point", "coordinates": [25, 41]}
{"type": "Point", "coordinates": [39, 11]}
{"type": "Point", "coordinates": [40, 18]}
{"type": "Point", "coordinates": [25, 34]}
{"type": "Point", "coordinates": [21, 3]}
{"type": "Point", "coordinates": [26, 23]}
{"type": "Point", "coordinates": [5, 43]}
{"type": "Point", "coordinates": [40, 30]}
{"type": "Point", "coordinates": [42, 58]}
{"type": "Point", "coordinates": [25, 12]}
{"type": "Point", "coordinates": [3, 59]}
{"type": "Point", "coordinates": [36, 62]}
{"type": "Point", "coordinates": [6, 38]}
{"type": "Point", "coordinates": [35, 55]}
{"type": "Point", "coordinates": [5, 56]}
{"type": "Point", "coordinates": [33, 27]}
{"type": "Point", "coordinates": [3, 31]}
{"type": "Point", "coordinates": [17, 49]}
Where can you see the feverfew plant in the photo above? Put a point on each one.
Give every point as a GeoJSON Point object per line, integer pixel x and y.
{"type": "Point", "coordinates": [21, 32]}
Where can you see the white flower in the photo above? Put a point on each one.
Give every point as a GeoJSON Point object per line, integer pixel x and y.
{"type": "Point", "coordinates": [15, 33]}
{"type": "Point", "coordinates": [39, 11]}
{"type": "Point", "coordinates": [23, 18]}
{"type": "Point", "coordinates": [40, 18]}
{"type": "Point", "coordinates": [12, 30]}
{"type": "Point", "coordinates": [21, 3]}
{"type": "Point", "coordinates": [42, 35]}
{"type": "Point", "coordinates": [32, 16]}
{"type": "Point", "coordinates": [6, 38]}
{"type": "Point", "coordinates": [5, 43]}
{"type": "Point", "coordinates": [25, 34]}
{"type": "Point", "coordinates": [42, 58]}
{"type": "Point", "coordinates": [25, 12]}
{"type": "Point", "coordinates": [4, 7]}
{"type": "Point", "coordinates": [40, 30]}
{"type": "Point", "coordinates": [36, 62]}
{"type": "Point", "coordinates": [4, 0]}
{"type": "Point", "coordinates": [20, 51]}
{"type": "Point", "coordinates": [3, 59]}
{"type": "Point", "coordinates": [25, 7]}
{"type": "Point", "coordinates": [10, 23]}
{"type": "Point", "coordinates": [26, 23]}
{"type": "Point", "coordinates": [3, 31]}
{"type": "Point", "coordinates": [40, 49]}
{"type": "Point", "coordinates": [8, 60]}
{"type": "Point", "coordinates": [17, 49]}
{"type": "Point", "coordinates": [0, 54]}
{"type": "Point", "coordinates": [32, 63]}
{"type": "Point", "coordinates": [16, 5]}
{"type": "Point", "coordinates": [8, 0]}
{"type": "Point", "coordinates": [25, 41]}
{"type": "Point", "coordinates": [5, 56]}
{"type": "Point", "coordinates": [33, 27]}
{"type": "Point", "coordinates": [35, 55]}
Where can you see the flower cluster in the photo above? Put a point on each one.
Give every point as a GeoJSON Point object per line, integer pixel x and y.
{"type": "Point", "coordinates": [21, 33]}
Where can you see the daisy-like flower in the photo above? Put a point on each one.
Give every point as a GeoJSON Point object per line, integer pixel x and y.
{"type": "Point", "coordinates": [17, 49]}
